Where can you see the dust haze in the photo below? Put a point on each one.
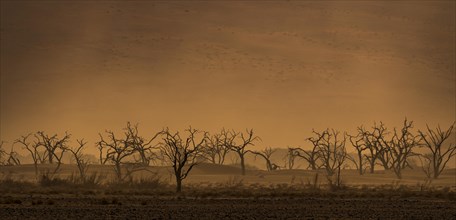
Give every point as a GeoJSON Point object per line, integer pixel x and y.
{"type": "Point", "coordinates": [282, 68]}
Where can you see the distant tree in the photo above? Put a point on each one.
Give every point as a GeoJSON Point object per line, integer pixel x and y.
{"type": "Point", "coordinates": [373, 142]}
{"type": "Point", "coordinates": [290, 158]}
{"type": "Point", "coordinates": [38, 156]}
{"type": "Point", "coordinates": [182, 153]}
{"type": "Point", "coordinates": [238, 143]}
{"type": "Point", "coordinates": [426, 165]}
{"type": "Point", "coordinates": [359, 143]}
{"type": "Point", "coordinates": [311, 156]}
{"type": "Point", "coordinates": [435, 161]}
{"type": "Point", "coordinates": [45, 148]}
{"type": "Point", "coordinates": [102, 153]}
{"type": "Point", "coordinates": [215, 150]}
{"type": "Point", "coordinates": [81, 161]}
{"type": "Point", "coordinates": [401, 147]}
{"type": "Point", "coordinates": [331, 151]}
{"type": "Point", "coordinates": [55, 146]}
{"type": "Point", "coordinates": [266, 155]}
{"type": "Point", "coordinates": [141, 145]}
{"type": "Point", "coordinates": [117, 152]}
{"type": "Point", "coordinates": [11, 158]}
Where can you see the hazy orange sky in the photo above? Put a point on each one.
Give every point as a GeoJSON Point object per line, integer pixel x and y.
{"type": "Point", "coordinates": [281, 68]}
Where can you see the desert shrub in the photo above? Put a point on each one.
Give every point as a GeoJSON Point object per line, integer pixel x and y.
{"type": "Point", "coordinates": [234, 182]}
{"type": "Point", "coordinates": [445, 189]}
{"type": "Point", "coordinates": [8, 184]}
{"type": "Point", "coordinates": [94, 179]}
{"type": "Point", "coordinates": [154, 182]}
{"type": "Point", "coordinates": [47, 180]}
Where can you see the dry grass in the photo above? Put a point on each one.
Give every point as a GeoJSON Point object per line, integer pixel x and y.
{"type": "Point", "coordinates": [256, 184]}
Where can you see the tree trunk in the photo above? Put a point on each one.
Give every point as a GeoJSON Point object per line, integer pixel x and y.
{"type": "Point", "coordinates": [269, 165]}
{"type": "Point", "coordinates": [178, 184]}
{"type": "Point", "coordinates": [398, 172]}
{"type": "Point", "coordinates": [338, 177]}
{"type": "Point", "coordinates": [372, 165]}
{"type": "Point", "coordinates": [360, 157]}
{"type": "Point", "coordinates": [242, 164]}
{"type": "Point", "coordinates": [119, 172]}
{"type": "Point", "coordinates": [51, 157]}
{"type": "Point", "coordinates": [436, 171]}
{"type": "Point", "coordinates": [312, 165]}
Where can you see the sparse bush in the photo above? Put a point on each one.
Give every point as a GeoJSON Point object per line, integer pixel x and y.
{"type": "Point", "coordinates": [47, 180]}
{"type": "Point", "coordinates": [234, 182]}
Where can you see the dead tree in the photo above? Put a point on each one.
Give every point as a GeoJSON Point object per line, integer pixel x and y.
{"type": "Point", "coordinates": [238, 142]}
{"type": "Point", "coordinates": [290, 158]}
{"type": "Point", "coordinates": [358, 142]}
{"type": "Point", "coordinates": [401, 147]}
{"type": "Point", "coordinates": [426, 165]}
{"type": "Point", "coordinates": [376, 146]}
{"type": "Point", "coordinates": [34, 149]}
{"type": "Point", "coordinates": [311, 156]}
{"type": "Point", "coordinates": [383, 151]}
{"type": "Point", "coordinates": [102, 152]}
{"type": "Point", "coordinates": [332, 152]}
{"type": "Point", "coordinates": [215, 150]}
{"type": "Point", "coordinates": [182, 153]}
{"type": "Point", "coordinates": [55, 147]}
{"type": "Point", "coordinates": [53, 144]}
{"type": "Point", "coordinates": [266, 155]}
{"type": "Point", "coordinates": [438, 156]}
{"type": "Point", "coordinates": [81, 162]}
{"type": "Point", "coordinates": [12, 158]}
{"type": "Point", "coordinates": [117, 152]}
{"type": "Point", "coordinates": [142, 146]}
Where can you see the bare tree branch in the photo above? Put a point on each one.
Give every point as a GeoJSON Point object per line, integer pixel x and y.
{"type": "Point", "coordinates": [183, 154]}
{"type": "Point", "coordinates": [433, 141]}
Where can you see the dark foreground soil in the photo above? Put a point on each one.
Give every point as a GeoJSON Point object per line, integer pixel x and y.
{"type": "Point", "coordinates": [143, 207]}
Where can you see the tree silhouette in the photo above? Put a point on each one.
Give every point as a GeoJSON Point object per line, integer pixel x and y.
{"type": "Point", "coordinates": [332, 152]}
{"type": "Point", "coordinates": [215, 149]}
{"type": "Point", "coordinates": [81, 162]}
{"type": "Point", "coordinates": [238, 142]}
{"type": "Point", "coordinates": [183, 153]}
{"type": "Point", "coordinates": [438, 157]}
{"type": "Point", "coordinates": [266, 155]}
{"type": "Point", "coordinates": [401, 147]}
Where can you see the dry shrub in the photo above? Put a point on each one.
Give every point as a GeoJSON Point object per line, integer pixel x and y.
{"type": "Point", "coordinates": [154, 182]}
{"type": "Point", "coordinates": [8, 184]}
{"type": "Point", "coordinates": [234, 182]}
{"type": "Point", "coordinates": [46, 180]}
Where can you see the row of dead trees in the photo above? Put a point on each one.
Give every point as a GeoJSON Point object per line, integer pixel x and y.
{"type": "Point", "coordinates": [130, 152]}
{"type": "Point", "coordinates": [390, 149]}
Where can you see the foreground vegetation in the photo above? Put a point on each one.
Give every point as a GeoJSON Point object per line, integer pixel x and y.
{"type": "Point", "coordinates": [232, 187]}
